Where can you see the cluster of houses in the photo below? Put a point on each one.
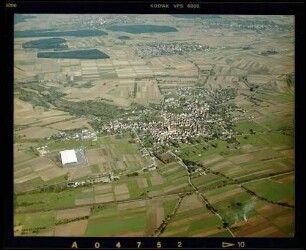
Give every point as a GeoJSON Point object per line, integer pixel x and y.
{"type": "Point", "coordinates": [66, 136]}
{"type": "Point", "coordinates": [86, 134]}
{"type": "Point", "coordinates": [272, 51]}
{"type": "Point", "coordinates": [43, 150]}
{"type": "Point", "coordinates": [252, 26]}
{"type": "Point", "coordinates": [196, 111]}
{"type": "Point", "coordinates": [93, 180]}
{"type": "Point", "coordinates": [161, 48]}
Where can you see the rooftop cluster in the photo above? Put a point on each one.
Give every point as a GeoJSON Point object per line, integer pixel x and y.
{"type": "Point", "coordinates": [195, 112]}
{"type": "Point", "coordinates": [161, 48]}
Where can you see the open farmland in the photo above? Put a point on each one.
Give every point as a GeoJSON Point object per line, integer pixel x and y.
{"type": "Point", "coordinates": [154, 126]}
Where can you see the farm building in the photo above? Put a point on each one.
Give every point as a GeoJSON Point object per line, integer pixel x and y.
{"type": "Point", "coordinates": [73, 158]}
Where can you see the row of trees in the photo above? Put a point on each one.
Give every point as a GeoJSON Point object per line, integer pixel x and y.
{"type": "Point", "coordinates": [66, 221]}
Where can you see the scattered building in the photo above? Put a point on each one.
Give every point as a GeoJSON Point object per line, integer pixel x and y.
{"type": "Point", "coordinates": [43, 150]}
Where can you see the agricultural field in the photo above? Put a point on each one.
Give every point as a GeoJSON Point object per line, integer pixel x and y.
{"type": "Point", "coordinates": [154, 126]}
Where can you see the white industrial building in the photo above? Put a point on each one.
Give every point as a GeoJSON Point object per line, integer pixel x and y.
{"type": "Point", "coordinates": [68, 157]}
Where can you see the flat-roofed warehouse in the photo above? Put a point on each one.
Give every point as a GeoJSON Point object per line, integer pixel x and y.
{"type": "Point", "coordinates": [68, 157]}
{"type": "Point", "coordinates": [73, 158]}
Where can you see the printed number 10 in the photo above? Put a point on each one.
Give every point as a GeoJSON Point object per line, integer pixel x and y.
{"type": "Point", "coordinates": [241, 244]}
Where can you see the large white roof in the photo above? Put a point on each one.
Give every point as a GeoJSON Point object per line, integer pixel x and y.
{"type": "Point", "coordinates": [68, 156]}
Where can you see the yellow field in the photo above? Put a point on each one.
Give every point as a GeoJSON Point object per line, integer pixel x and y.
{"type": "Point", "coordinates": [72, 213]}
{"type": "Point", "coordinates": [24, 114]}
{"type": "Point", "coordinates": [71, 124]}
{"type": "Point", "coordinates": [76, 228]}
{"type": "Point", "coordinates": [107, 90]}
{"type": "Point", "coordinates": [36, 132]}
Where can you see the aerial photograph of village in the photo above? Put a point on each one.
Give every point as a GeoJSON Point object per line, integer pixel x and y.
{"type": "Point", "coordinates": [154, 125]}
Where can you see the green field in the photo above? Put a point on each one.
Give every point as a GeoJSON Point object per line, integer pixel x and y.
{"type": "Point", "coordinates": [233, 207]}
{"type": "Point", "coordinates": [95, 168]}
{"type": "Point", "coordinates": [134, 191]}
{"type": "Point", "coordinates": [196, 226]}
{"type": "Point", "coordinates": [122, 149]}
{"type": "Point", "coordinates": [48, 200]}
{"type": "Point", "coordinates": [121, 143]}
{"type": "Point", "coordinates": [90, 144]}
{"type": "Point", "coordinates": [204, 225]}
{"type": "Point", "coordinates": [115, 226]}
{"type": "Point", "coordinates": [278, 139]}
{"type": "Point", "coordinates": [208, 180]}
{"type": "Point", "coordinates": [111, 221]}
{"type": "Point", "coordinates": [245, 127]}
{"type": "Point", "coordinates": [63, 145]}
{"type": "Point", "coordinates": [32, 152]}
{"type": "Point", "coordinates": [107, 210]}
{"type": "Point", "coordinates": [169, 206]}
{"type": "Point", "coordinates": [34, 223]}
{"type": "Point", "coordinates": [254, 140]}
{"type": "Point", "coordinates": [198, 152]}
{"type": "Point", "coordinates": [272, 190]}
